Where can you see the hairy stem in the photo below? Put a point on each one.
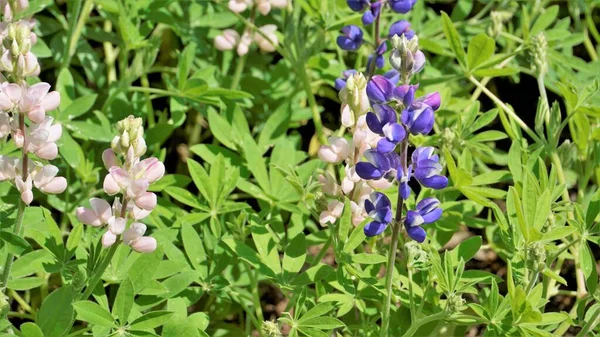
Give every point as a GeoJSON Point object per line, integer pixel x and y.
{"type": "Point", "coordinates": [389, 273]}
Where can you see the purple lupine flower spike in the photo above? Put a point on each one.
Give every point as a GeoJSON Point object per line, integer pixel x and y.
{"type": "Point", "coordinates": [427, 211]}
{"type": "Point", "coordinates": [400, 28]}
{"type": "Point", "coordinates": [380, 89]}
{"type": "Point", "coordinates": [351, 38]}
{"type": "Point", "coordinates": [427, 168]}
{"type": "Point", "coordinates": [379, 208]}
{"type": "Point", "coordinates": [402, 6]}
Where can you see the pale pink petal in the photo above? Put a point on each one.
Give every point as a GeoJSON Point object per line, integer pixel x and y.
{"type": "Point", "coordinates": [88, 217]}
{"type": "Point", "coordinates": [109, 158]}
{"type": "Point", "coordinates": [110, 185]}
{"type": "Point", "coordinates": [146, 244]}
{"type": "Point", "coordinates": [121, 176]}
{"type": "Point", "coordinates": [5, 102]}
{"type": "Point", "coordinates": [135, 232]}
{"type": "Point", "coordinates": [117, 225]}
{"type": "Point", "coordinates": [55, 132]}
{"type": "Point", "coordinates": [101, 208]}
{"type": "Point", "coordinates": [47, 151]}
{"type": "Point", "coordinates": [51, 101]}
{"type": "Point", "coordinates": [13, 91]}
{"type": "Point", "coordinates": [108, 239]}
{"type": "Point", "coordinates": [27, 197]}
{"type": "Point", "coordinates": [146, 201]}
{"type": "Point", "coordinates": [37, 114]}
{"type": "Point", "coordinates": [37, 92]}
{"type": "Point", "coordinates": [55, 186]}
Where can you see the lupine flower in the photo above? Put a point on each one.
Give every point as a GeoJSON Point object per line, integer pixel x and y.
{"type": "Point", "coordinates": [427, 211]}
{"type": "Point", "coordinates": [46, 180]}
{"type": "Point", "coordinates": [371, 13]}
{"type": "Point", "coordinates": [351, 38]}
{"type": "Point", "coordinates": [383, 122]}
{"type": "Point", "coordinates": [98, 215]}
{"type": "Point", "coordinates": [238, 6]}
{"type": "Point", "coordinates": [340, 83]}
{"type": "Point", "coordinates": [427, 168]}
{"type": "Point", "coordinates": [270, 43]}
{"type": "Point", "coordinates": [244, 45]}
{"type": "Point", "coordinates": [379, 208]}
{"type": "Point", "coordinates": [406, 56]}
{"type": "Point", "coordinates": [227, 40]}
{"type": "Point", "coordinates": [332, 213]}
{"type": "Point", "coordinates": [400, 28]}
{"type": "Point", "coordinates": [337, 152]}
{"type": "Point", "coordinates": [392, 75]}
{"type": "Point", "coordinates": [134, 237]}
{"type": "Point", "coordinates": [130, 135]}
{"type": "Point", "coordinates": [380, 89]}
{"type": "Point", "coordinates": [41, 138]}
{"type": "Point", "coordinates": [10, 94]}
{"type": "Point", "coordinates": [264, 6]}
{"type": "Point", "coordinates": [403, 179]}
{"type": "Point", "coordinates": [36, 101]}
{"type": "Point", "coordinates": [5, 124]}
{"type": "Point", "coordinates": [402, 6]}
{"type": "Point", "coordinates": [329, 185]}
{"type": "Point", "coordinates": [116, 226]}
{"type": "Point", "coordinates": [379, 60]}
{"type": "Point", "coordinates": [418, 116]}
{"type": "Point", "coordinates": [378, 165]}
{"type": "Point", "coordinates": [24, 187]}
{"type": "Point", "coordinates": [358, 5]}
{"type": "Point", "coordinates": [405, 94]}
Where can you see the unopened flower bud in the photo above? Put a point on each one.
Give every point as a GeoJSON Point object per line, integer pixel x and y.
{"type": "Point", "coordinates": [536, 256]}
{"type": "Point", "coordinates": [355, 95]}
{"type": "Point", "coordinates": [540, 48]}
{"type": "Point", "coordinates": [454, 303]}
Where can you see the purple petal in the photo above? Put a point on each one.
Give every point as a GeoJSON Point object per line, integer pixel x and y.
{"type": "Point", "coordinates": [369, 207]}
{"type": "Point", "coordinates": [385, 113]}
{"type": "Point", "coordinates": [346, 43]}
{"type": "Point", "coordinates": [401, 6]}
{"type": "Point", "coordinates": [436, 182]}
{"type": "Point", "coordinates": [416, 233]}
{"type": "Point", "coordinates": [357, 5]}
{"type": "Point", "coordinates": [433, 100]}
{"type": "Point", "coordinates": [392, 75]}
{"type": "Point", "coordinates": [368, 18]}
{"type": "Point", "coordinates": [413, 219]}
{"type": "Point", "coordinates": [399, 28]}
{"type": "Point", "coordinates": [368, 171]}
{"type": "Point", "coordinates": [374, 228]}
{"type": "Point", "coordinates": [385, 146]}
{"type": "Point", "coordinates": [432, 216]}
{"type": "Point", "coordinates": [380, 200]}
{"type": "Point", "coordinates": [394, 132]}
{"type": "Point", "coordinates": [379, 62]}
{"type": "Point", "coordinates": [373, 123]}
{"type": "Point", "coordinates": [340, 84]}
{"type": "Point", "coordinates": [427, 205]}
{"type": "Point", "coordinates": [404, 190]}
{"type": "Point", "coordinates": [422, 121]}
{"type": "Point", "coordinates": [380, 89]}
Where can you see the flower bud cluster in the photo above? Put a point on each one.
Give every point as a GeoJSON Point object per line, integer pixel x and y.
{"type": "Point", "coordinates": [381, 115]}
{"type": "Point", "coordinates": [538, 53]}
{"type": "Point", "coordinates": [266, 36]}
{"type": "Point", "coordinates": [131, 177]}
{"type": "Point", "coordinates": [20, 101]}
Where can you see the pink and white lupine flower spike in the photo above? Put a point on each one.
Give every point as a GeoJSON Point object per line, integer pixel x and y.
{"type": "Point", "coordinates": [134, 237]}
{"type": "Point", "coordinates": [37, 101]}
{"type": "Point", "coordinates": [46, 180]}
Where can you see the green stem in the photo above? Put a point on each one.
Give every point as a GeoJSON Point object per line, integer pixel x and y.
{"type": "Point", "coordinates": [255, 298]}
{"type": "Point", "coordinates": [312, 102]}
{"type": "Point", "coordinates": [506, 109]}
{"type": "Point", "coordinates": [590, 325]}
{"type": "Point", "coordinates": [411, 296]}
{"type": "Point", "coordinates": [97, 275]}
{"type": "Point", "coordinates": [10, 257]}
{"type": "Point", "coordinates": [75, 31]}
{"type": "Point", "coordinates": [323, 251]}
{"type": "Point", "coordinates": [415, 326]}
{"type": "Point", "coordinates": [534, 277]}
{"type": "Point", "coordinates": [239, 69]}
